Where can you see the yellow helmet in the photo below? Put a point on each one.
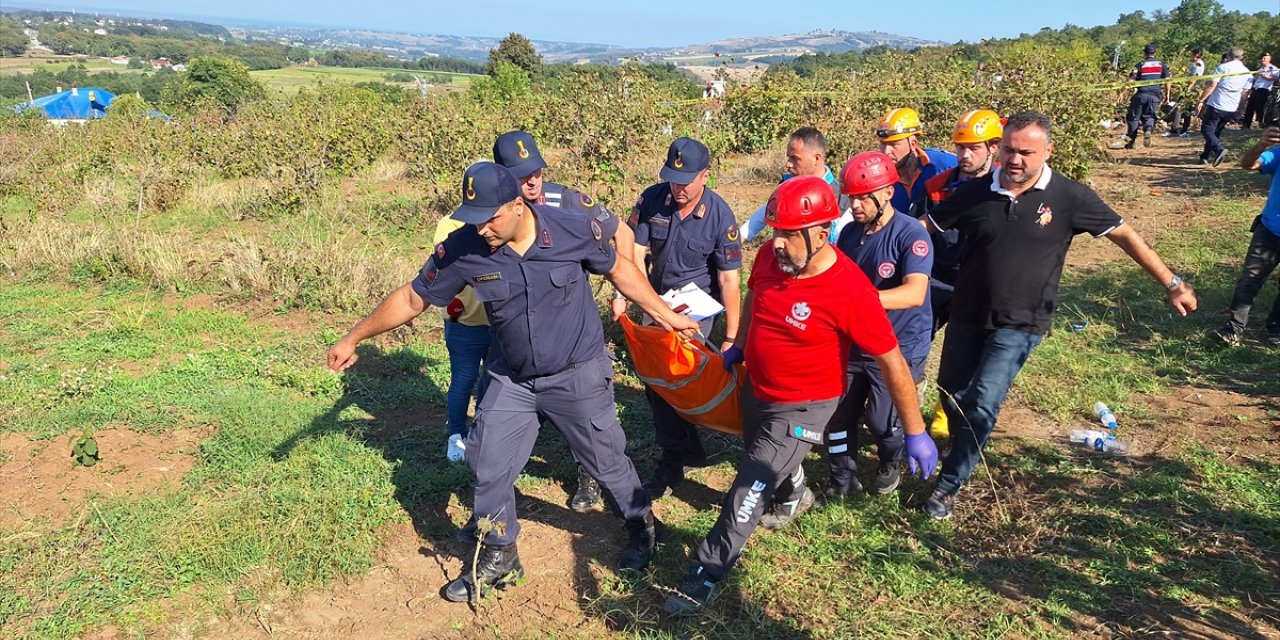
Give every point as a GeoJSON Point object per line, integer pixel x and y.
{"type": "Point", "coordinates": [898, 124]}
{"type": "Point", "coordinates": [979, 125]}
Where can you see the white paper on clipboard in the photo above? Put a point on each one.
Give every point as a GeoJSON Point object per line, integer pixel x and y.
{"type": "Point", "coordinates": [691, 301]}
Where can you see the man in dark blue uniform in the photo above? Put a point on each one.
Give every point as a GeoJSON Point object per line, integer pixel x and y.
{"type": "Point", "coordinates": [517, 151]}
{"type": "Point", "coordinates": [1143, 104]}
{"type": "Point", "coordinates": [895, 253]}
{"type": "Point", "coordinates": [690, 235]}
{"type": "Point", "coordinates": [528, 264]}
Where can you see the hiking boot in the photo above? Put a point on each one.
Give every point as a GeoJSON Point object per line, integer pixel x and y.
{"type": "Point", "coordinates": [780, 514]}
{"type": "Point", "coordinates": [692, 596]}
{"type": "Point", "coordinates": [887, 478]}
{"type": "Point", "coordinates": [1182, 135]}
{"type": "Point", "coordinates": [588, 494]}
{"type": "Point", "coordinates": [456, 449]}
{"type": "Point", "coordinates": [1273, 339]}
{"type": "Point", "coordinates": [1146, 138]}
{"type": "Point", "coordinates": [1217, 158]}
{"type": "Point", "coordinates": [497, 568]}
{"type": "Point", "coordinates": [1227, 335]}
{"type": "Point", "coordinates": [839, 492]}
{"type": "Point", "coordinates": [665, 478]}
{"type": "Point", "coordinates": [642, 538]}
{"type": "Point", "coordinates": [1130, 143]}
{"type": "Point", "coordinates": [939, 504]}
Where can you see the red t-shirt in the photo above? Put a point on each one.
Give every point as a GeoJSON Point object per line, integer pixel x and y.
{"type": "Point", "coordinates": [798, 340]}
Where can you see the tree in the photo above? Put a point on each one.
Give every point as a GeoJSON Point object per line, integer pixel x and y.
{"type": "Point", "coordinates": [515, 50]}
{"type": "Point", "coordinates": [12, 41]}
{"type": "Point", "coordinates": [223, 80]}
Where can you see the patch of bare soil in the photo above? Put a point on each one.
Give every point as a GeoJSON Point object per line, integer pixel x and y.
{"type": "Point", "coordinates": [38, 481]}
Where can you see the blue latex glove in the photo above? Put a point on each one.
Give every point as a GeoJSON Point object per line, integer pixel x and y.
{"type": "Point", "coordinates": [733, 355]}
{"type": "Point", "coordinates": [922, 454]}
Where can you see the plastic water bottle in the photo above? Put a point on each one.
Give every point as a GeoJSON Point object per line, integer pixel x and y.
{"type": "Point", "coordinates": [1099, 440]}
{"type": "Point", "coordinates": [1105, 416]}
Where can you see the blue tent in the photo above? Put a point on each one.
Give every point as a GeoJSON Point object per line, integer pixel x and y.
{"type": "Point", "coordinates": [84, 103]}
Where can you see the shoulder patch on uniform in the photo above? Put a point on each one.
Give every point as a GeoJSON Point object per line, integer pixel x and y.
{"type": "Point", "coordinates": [634, 219]}
{"type": "Point", "coordinates": [586, 200]}
{"type": "Point", "coordinates": [887, 269]}
{"type": "Point", "coordinates": [489, 277]}
{"type": "Point", "coordinates": [732, 254]}
{"type": "Point", "coordinates": [595, 230]}
{"type": "Point", "coordinates": [639, 200]}
{"type": "Point", "coordinates": [920, 248]}
{"type": "Point", "coordinates": [429, 272]}
{"type": "Point", "coordinates": [603, 215]}
{"type": "Point", "coordinates": [732, 233]}
{"type": "Point", "coordinates": [440, 250]}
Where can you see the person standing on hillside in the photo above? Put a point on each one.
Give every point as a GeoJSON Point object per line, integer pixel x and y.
{"type": "Point", "coordinates": [977, 138]}
{"type": "Point", "coordinates": [899, 134]}
{"type": "Point", "coordinates": [686, 234]}
{"type": "Point", "coordinates": [518, 152]}
{"type": "Point", "coordinates": [1218, 103]}
{"type": "Point", "coordinates": [806, 156]}
{"type": "Point", "coordinates": [1264, 249]}
{"type": "Point", "coordinates": [806, 304]}
{"type": "Point", "coordinates": [1147, 98]}
{"type": "Point", "coordinates": [528, 263]}
{"type": "Point", "coordinates": [1264, 78]}
{"type": "Point", "coordinates": [1019, 221]}
{"type": "Point", "coordinates": [1183, 111]}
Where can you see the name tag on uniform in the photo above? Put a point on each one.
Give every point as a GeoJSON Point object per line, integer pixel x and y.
{"type": "Point", "coordinates": [660, 222]}
{"type": "Point", "coordinates": [489, 277]}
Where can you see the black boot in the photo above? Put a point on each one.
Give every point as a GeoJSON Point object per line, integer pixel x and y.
{"type": "Point", "coordinates": [666, 477]}
{"type": "Point", "coordinates": [588, 495]}
{"type": "Point", "coordinates": [497, 567]}
{"type": "Point", "coordinates": [643, 534]}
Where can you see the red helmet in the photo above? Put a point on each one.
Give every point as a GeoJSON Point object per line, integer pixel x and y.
{"type": "Point", "coordinates": [801, 202]}
{"type": "Point", "coordinates": [866, 172]}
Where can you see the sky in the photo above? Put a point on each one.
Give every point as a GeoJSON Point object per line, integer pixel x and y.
{"type": "Point", "coordinates": [652, 23]}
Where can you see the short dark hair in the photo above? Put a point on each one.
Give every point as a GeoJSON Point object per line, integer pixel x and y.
{"type": "Point", "coordinates": [1195, 51]}
{"type": "Point", "coordinates": [1023, 119]}
{"type": "Point", "coordinates": [811, 137]}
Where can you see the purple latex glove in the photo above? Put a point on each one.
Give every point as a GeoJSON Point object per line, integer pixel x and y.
{"type": "Point", "coordinates": [922, 454]}
{"type": "Point", "coordinates": [733, 355]}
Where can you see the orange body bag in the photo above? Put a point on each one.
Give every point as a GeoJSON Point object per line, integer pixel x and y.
{"type": "Point", "coordinates": [687, 374]}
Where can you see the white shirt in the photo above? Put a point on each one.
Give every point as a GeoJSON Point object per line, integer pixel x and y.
{"type": "Point", "coordinates": [1226, 96]}
{"type": "Point", "coordinates": [1260, 82]}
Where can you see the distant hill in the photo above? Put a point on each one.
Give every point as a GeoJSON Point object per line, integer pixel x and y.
{"type": "Point", "coordinates": [818, 40]}
{"type": "Point", "coordinates": [413, 46]}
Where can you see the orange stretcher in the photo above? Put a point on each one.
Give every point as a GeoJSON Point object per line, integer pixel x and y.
{"type": "Point", "coordinates": [687, 374]}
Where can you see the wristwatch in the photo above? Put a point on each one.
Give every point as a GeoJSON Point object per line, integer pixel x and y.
{"type": "Point", "coordinates": [1173, 284]}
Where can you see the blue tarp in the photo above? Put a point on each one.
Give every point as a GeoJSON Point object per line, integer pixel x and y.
{"type": "Point", "coordinates": [76, 104]}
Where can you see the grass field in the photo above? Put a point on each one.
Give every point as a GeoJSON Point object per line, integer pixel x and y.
{"type": "Point", "coordinates": [55, 64]}
{"type": "Point", "coordinates": [319, 505]}
{"type": "Point", "coordinates": [294, 77]}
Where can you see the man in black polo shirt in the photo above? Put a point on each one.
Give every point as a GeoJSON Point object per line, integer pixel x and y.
{"type": "Point", "coordinates": [1019, 220]}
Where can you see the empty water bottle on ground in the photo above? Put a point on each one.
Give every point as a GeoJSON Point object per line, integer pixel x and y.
{"type": "Point", "coordinates": [1099, 440]}
{"type": "Point", "coordinates": [1105, 416]}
